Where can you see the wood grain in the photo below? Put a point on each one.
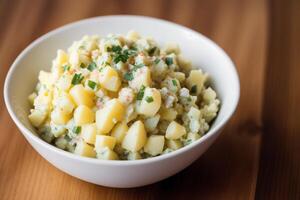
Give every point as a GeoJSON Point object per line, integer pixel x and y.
{"type": "Point", "coordinates": [257, 154]}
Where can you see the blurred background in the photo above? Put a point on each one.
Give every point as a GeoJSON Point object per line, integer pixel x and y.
{"type": "Point", "coordinates": [257, 155]}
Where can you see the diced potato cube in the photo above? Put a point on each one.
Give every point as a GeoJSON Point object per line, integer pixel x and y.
{"type": "Point", "coordinates": [43, 102]}
{"type": "Point", "coordinates": [83, 149]}
{"type": "Point", "coordinates": [134, 156]}
{"type": "Point", "coordinates": [46, 78]}
{"type": "Point", "coordinates": [89, 132]}
{"type": "Point", "coordinates": [196, 80]}
{"type": "Point", "coordinates": [154, 145]}
{"type": "Point", "coordinates": [175, 131]}
{"type": "Point", "coordinates": [119, 131]}
{"type": "Point", "coordinates": [172, 47]}
{"type": "Point", "coordinates": [109, 79]}
{"type": "Point", "coordinates": [174, 144]}
{"type": "Point", "coordinates": [81, 96]}
{"type": "Point", "coordinates": [31, 98]}
{"type": "Point", "coordinates": [37, 117]}
{"type": "Point", "coordinates": [57, 130]}
{"type": "Point", "coordinates": [180, 76]}
{"type": "Point", "coordinates": [65, 103]}
{"type": "Point", "coordinates": [151, 123]}
{"type": "Point", "coordinates": [83, 115]}
{"type": "Point", "coordinates": [150, 103]}
{"type": "Point", "coordinates": [142, 77]}
{"type": "Point", "coordinates": [184, 64]}
{"type": "Point", "coordinates": [106, 154]}
{"type": "Point", "coordinates": [104, 141]}
{"type": "Point", "coordinates": [136, 137]}
{"type": "Point", "coordinates": [107, 117]}
{"type": "Point", "coordinates": [64, 82]}
{"type": "Point", "coordinates": [133, 35]}
{"type": "Point", "coordinates": [62, 57]}
{"type": "Point", "coordinates": [59, 117]}
{"type": "Point", "coordinates": [168, 114]}
{"type": "Point", "coordinates": [193, 136]}
{"type": "Point", "coordinates": [159, 70]}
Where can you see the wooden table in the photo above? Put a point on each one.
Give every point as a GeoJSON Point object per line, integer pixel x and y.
{"type": "Point", "coordinates": [258, 154]}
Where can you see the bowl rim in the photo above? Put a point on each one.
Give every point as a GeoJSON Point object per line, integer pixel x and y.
{"type": "Point", "coordinates": [31, 136]}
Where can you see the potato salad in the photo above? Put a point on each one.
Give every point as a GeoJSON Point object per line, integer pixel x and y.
{"type": "Point", "coordinates": [122, 97]}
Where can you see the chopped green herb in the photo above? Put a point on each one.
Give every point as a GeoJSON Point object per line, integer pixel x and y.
{"type": "Point", "coordinates": [77, 78]}
{"type": "Point", "coordinates": [174, 82]}
{"type": "Point", "coordinates": [92, 84]}
{"type": "Point", "coordinates": [66, 67]}
{"type": "Point", "coordinates": [156, 61]}
{"type": "Point", "coordinates": [82, 65]}
{"type": "Point", "coordinates": [141, 92]}
{"type": "Point", "coordinates": [149, 99]}
{"type": "Point", "coordinates": [92, 66]}
{"type": "Point", "coordinates": [128, 76]}
{"type": "Point", "coordinates": [77, 129]}
{"type": "Point", "coordinates": [152, 50]}
{"type": "Point", "coordinates": [169, 60]}
{"type": "Point", "coordinates": [116, 48]}
{"type": "Point", "coordinates": [189, 99]}
{"type": "Point", "coordinates": [137, 66]}
{"type": "Point", "coordinates": [194, 89]}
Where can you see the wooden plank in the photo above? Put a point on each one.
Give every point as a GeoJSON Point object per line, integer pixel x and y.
{"type": "Point", "coordinates": [227, 171]}
{"type": "Point", "coordinates": [279, 174]}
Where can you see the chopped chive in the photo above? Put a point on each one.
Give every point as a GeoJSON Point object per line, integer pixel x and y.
{"type": "Point", "coordinates": [77, 78]}
{"type": "Point", "coordinates": [141, 92]}
{"type": "Point", "coordinates": [128, 76]}
{"type": "Point", "coordinates": [137, 66]}
{"type": "Point", "coordinates": [82, 65]}
{"type": "Point", "coordinates": [194, 89]}
{"type": "Point", "coordinates": [77, 129]}
{"type": "Point", "coordinates": [149, 99]}
{"type": "Point", "coordinates": [66, 67]}
{"type": "Point", "coordinates": [174, 82]}
{"type": "Point", "coordinates": [92, 84]}
{"type": "Point", "coordinates": [92, 66]}
{"type": "Point", "coordinates": [116, 48]}
{"type": "Point", "coordinates": [169, 60]}
{"type": "Point", "coordinates": [156, 61]}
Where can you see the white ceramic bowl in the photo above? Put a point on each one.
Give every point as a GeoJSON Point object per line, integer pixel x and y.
{"type": "Point", "coordinates": [204, 53]}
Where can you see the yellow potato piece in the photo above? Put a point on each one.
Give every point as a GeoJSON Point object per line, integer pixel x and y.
{"type": "Point", "coordinates": [83, 149]}
{"type": "Point", "coordinates": [155, 145]}
{"type": "Point", "coordinates": [46, 78]}
{"type": "Point", "coordinates": [136, 137]}
{"type": "Point", "coordinates": [119, 131]}
{"type": "Point", "coordinates": [105, 141]}
{"type": "Point", "coordinates": [150, 103]}
{"type": "Point", "coordinates": [142, 77]}
{"type": "Point", "coordinates": [62, 57]}
{"type": "Point", "coordinates": [83, 115]}
{"type": "Point", "coordinates": [59, 117]}
{"type": "Point", "coordinates": [65, 103]}
{"type": "Point", "coordinates": [174, 144]}
{"type": "Point", "coordinates": [107, 117]}
{"type": "Point", "coordinates": [109, 79]}
{"type": "Point", "coordinates": [196, 81]}
{"type": "Point", "coordinates": [175, 131]}
{"type": "Point", "coordinates": [168, 114]}
{"type": "Point", "coordinates": [81, 96]}
{"type": "Point", "coordinates": [89, 132]}
{"type": "Point", "coordinates": [107, 154]}
{"type": "Point", "coordinates": [134, 156]}
{"type": "Point", "coordinates": [37, 117]}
